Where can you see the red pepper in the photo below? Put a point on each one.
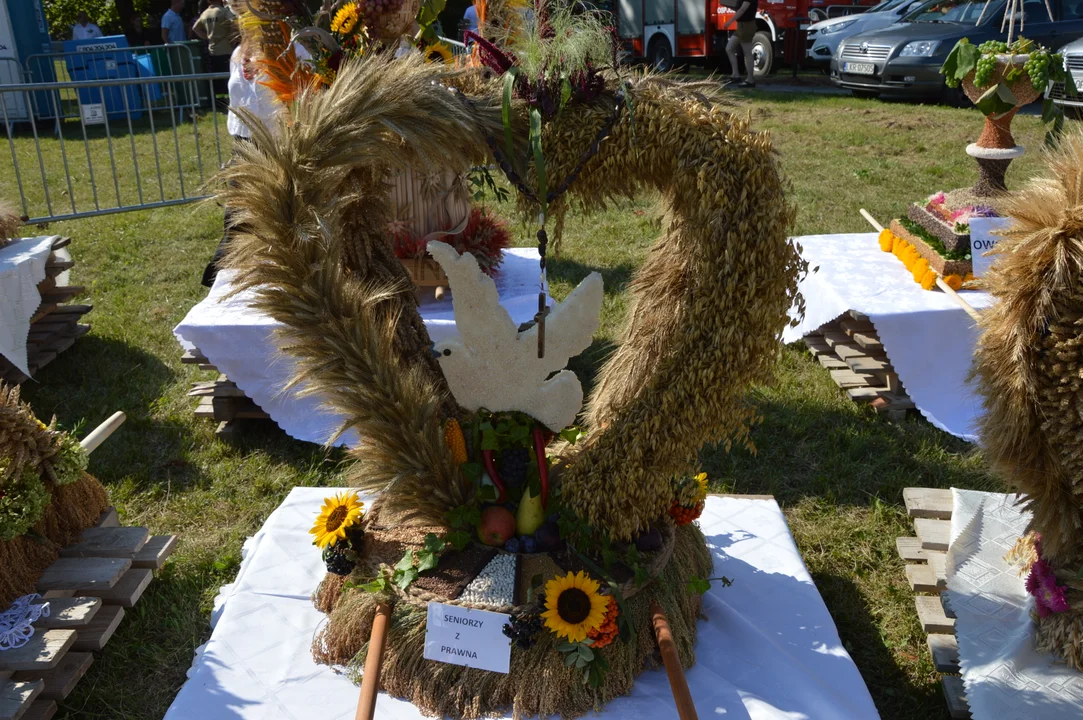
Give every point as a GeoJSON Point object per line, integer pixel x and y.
{"type": "Point", "coordinates": [490, 468]}
{"type": "Point", "coordinates": [543, 464]}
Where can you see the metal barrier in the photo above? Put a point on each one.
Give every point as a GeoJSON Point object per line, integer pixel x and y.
{"type": "Point", "coordinates": [143, 134]}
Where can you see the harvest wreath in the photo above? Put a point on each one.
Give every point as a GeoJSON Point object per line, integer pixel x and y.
{"type": "Point", "coordinates": [491, 491]}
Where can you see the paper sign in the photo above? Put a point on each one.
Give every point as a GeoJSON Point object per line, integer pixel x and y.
{"type": "Point", "coordinates": [982, 240]}
{"type": "Point", "coordinates": [93, 114]}
{"type": "Point", "coordinates": [462, 636]}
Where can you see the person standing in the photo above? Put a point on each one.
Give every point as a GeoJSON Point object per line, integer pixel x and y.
{"type": "Point", "coordinates": [136, 33]}
{"type": "Point", "coordinates": [173, 24]}
{"type": "Point", "coordinates": [84, 29]}
{"type": "Point", "coordinates": [218, 27]}
{"type": "Point", "coordinates": [745, 17]}
{"type": "Point", "coordinates": [470, 19]}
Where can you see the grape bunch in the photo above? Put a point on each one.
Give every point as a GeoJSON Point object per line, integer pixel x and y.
{"type": "Point", "coordinates": [984, 69]}
{"type": "Point", "coordinates": [523, 629]}
{"type": "Point", "coordinates": [338, 560]}
{"type": "Point", "coordinates": [1038, 66]}
{"type": "Point", "coordinates": [513, 466]}
{"type": "Point", "coordinates": [376, 12]}
{"type": "Point", "coordinates": [993, 47]}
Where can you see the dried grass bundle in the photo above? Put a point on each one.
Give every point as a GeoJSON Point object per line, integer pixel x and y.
{"type": "Point", "coordinates": [10, 222]}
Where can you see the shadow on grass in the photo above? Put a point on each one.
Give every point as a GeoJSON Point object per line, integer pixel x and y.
{"type": "Point", "coordinates": [893, 692]}
{"type": "Point", "coordinates": [614, 277]}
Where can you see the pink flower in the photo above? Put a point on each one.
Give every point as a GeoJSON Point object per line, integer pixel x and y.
{"type": "Point", "coordinates": [962, 215]}
{"type": "Point", "coordinates": [1048, 595]}
{"type": "Point", "coordinates": [938, 199]}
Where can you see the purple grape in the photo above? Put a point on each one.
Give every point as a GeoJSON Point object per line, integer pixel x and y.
{"type": "Point", "coordinates": [527, 544]}
{"type": "Point", "coordinates": [512, 545]}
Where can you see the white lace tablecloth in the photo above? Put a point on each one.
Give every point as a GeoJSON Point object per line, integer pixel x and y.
{"type": "Point", "coordinates": [928, 338]}
{"type": "Point", "coordinates": [767, 650]}
{"type": "Point", "coordinates": [240, 343]}
{"type": "Point", "coordinates": [22, 267]}
{"type": "Point", "coordinates": [1004, 677]}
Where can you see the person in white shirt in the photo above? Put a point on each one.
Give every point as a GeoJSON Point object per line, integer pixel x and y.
{"type": "Point", "coordinates": [84, 29]}
{"type": "Point", "coordinates": [245, 91]}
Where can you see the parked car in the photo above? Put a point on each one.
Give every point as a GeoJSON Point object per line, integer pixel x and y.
{"type": "Point", "coordinates": [1073, 63]}
{"type": "Point", "coordinates": [824, 37]}
{"type": "Point", "coordinates": [904, 59]}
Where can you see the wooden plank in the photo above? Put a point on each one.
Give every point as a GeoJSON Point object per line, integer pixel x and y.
{"type": "Point", "coordinates": [831, 362]}
{"type": "Point", "coordinates": [77, 310]}
{"type": "Point", "coordinates": [193, 357]}
{"type": "Point", "coordinates": [205, 408]}
{"type": "Point", "coordinates": [118, 542]}
{"type": "Point", "coordinates": [851, 325]}
{"type": "Point", "coordinates": [41, 710]}
{"type": "Point", "coordinates": [61, 680]}
{"type": "Point", "coordinates": [866, 394]}
{"type": "Point", "coordinates": [934, 534]}
{"type": "Point", "coordinates": [155, 552]}
{"type": "Point", "coordinates": [128, 589]}
{"type": "Point", "coordinates": [100, 629]}
{"type": "Point", "coordinates": [867, 364]}
{"type": "Point", "coordinates": [108, 519]}
{"type": "Point", "coordinates": [922, 578]}
{"type": "Point", "coordinates": [945, 652]}
{"type": "Point", "coordinates": [83, 574]}
{"type": "Point", "coordinates": [61, 242]}
{"type": "Point", "coordinates": [955, 695]}
{"type": "Point", "coordinates": [55, 267]}
{"type": "Point", "coordinates": [938, 564]}
{"type": "Point", "coordinates": [928, 503]}
{"type": "Point", "coordinates": [834, 336]}
{"type": "Point", "coordinates": [931, 615]}
{"type": "Point", "coordinates": [70, 612]}
{"type": "Point", "coordinates": [868, 341]}
{"type": "Point", "coordinates": [56, 296]}
{"type": "Point", "coordinates": [17, 697]}
{"type": "Point", "coordinates": [847, 379]}
{"type": "Point", "coordinates": [910, 549]}
{"type": "Point", "coordinates": [42, 652]}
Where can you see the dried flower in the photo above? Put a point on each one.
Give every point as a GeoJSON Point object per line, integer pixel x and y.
{"type": "Point", "coordinates": [1048, 595]}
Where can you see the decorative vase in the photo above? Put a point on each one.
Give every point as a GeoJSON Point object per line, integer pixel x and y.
{"type": "Point", "coordinates": [995, 148]}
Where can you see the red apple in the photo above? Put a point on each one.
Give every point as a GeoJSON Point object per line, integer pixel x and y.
{"type": "Point", "coordinates": [497, 526]}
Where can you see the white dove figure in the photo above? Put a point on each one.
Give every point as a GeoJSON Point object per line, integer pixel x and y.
{"type": "Point", "coordinates": [492, 365]}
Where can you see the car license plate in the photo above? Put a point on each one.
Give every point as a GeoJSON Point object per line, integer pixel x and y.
{"type": "Point", "coordinates": [859, 68]}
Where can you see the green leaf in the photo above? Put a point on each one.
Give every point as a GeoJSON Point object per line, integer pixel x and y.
{"type": "Point", "coordinates": [378, 585]}
{"type": "Point", "coordinates": [539, 158]}
{"type": "Point", "coordinates": [566, 646]}
{"type": "Point", "coordinates": [490, 440]}
{"type": "Point", "coordinates": [585, 652]}
{"type": "Point", "coordinates": [471, 473]}
{"type": "Point", "coordinates": [459, 539]}
{"type": "Point", "coordinates": [433, 544]}
{"type": "Point", "coordinates": [570, 659]}
{"type": "Point", "coordinates": [571, 434]}
{"type": "Point", "coordinates": [1069, 84]}
{"type": "Point", "coordinates": [1049, 111]}
{"type": "Point", "coordinates": [406, 578]}
{"type": "Point", "coordinates": [961, 60]}
{"type": "Point", "coordinates": [487, 493]}
{"type": "Point", "coordinates": [996, 101]}
{"type": "Point", "coordinates": [641, 575]}
{"type": "Point", "coordinates": [565, 93]}
{"type": "Point", "coordinates": [509, 88]}
{"type": "Point", "coordinates": [427, 561]}
{"type": "Point", "coordinates": [430, 12]}
{"type": "Point", "coordinates": [406, 562]}
{"type": "Point", "coordinates": [698, 585]}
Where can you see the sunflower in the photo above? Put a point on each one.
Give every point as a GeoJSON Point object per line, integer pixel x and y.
{"type": "Point", "coordinates": [439, 52]}
{"type": "Point", "coordinates": [346, 18]}
{"type": "Point", "coordinates": [339, 512]}
{"type": "Point", "coordinates": [573, 606]}
{"type": "Point", "coordinates": [701, 485]}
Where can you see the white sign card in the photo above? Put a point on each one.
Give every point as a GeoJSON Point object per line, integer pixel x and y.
{"type": "Point", "coordinates": [982, 240]}
{"type": "Point", "coordinates": [464, 636]}
{"type": "Point", "coordinates": [93, 114]}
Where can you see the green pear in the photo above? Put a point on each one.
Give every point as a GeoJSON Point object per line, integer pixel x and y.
{"type": "Point", "coordinates": [531, 514]}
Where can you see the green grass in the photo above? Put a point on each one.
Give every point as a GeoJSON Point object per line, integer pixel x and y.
{"type": "Point", "coordinates": [837, 469]}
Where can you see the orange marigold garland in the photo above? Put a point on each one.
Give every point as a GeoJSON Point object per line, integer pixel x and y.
{"type": "Point", "coordinates": [606, 632]}
{"type": "Point", "coordinates": [690, 495]}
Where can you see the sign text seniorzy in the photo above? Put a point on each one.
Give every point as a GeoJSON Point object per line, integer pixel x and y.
{"type": "Point", "coordinates": [462, 636]}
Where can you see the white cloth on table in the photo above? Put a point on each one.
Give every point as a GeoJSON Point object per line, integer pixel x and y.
{"type": "Point", "coordinates": [22, 267]}
{"type": "Point", "coordinates": [767, 650]}
{"type": "Point", "coordinates": [240, 343]}
{"type": "Point", "coordinates": [1004, 676]}
{"type": "Point", "coordinates": [929, 339]}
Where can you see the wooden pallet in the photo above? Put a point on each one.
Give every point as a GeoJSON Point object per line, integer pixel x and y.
{"type": "Point", "coordinates": [849, 348]}
{"type": "Point", "coordinates": [221, 399]}
{"type": "Point", "coordinates": [88, 589]}
{"type": "Point", "coordinates": [55, 326]}
{"type": "Point", "coordinates": [925, 556]}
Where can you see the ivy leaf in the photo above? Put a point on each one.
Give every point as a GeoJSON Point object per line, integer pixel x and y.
{"type": "Point", "coordinates": [471, 473]}
{"type": "Point", "coordinates": [406, 578]}
{"type": "Point", "coordinates": [996, 101]}
{"type": "Point", "coordinates": [699, 585]}
{"type": "Point", "coordinates": [376, 586]}
{"type": "Point", "coordinates": [434, 544]}
{"type": "Point", "coordinates": [571, 434]}
{"type": "Point", "coordinates": [427, 561]}
{"type": "Point", "coordinates": [407, 561]}
{"type": "Point", "coordinates": [961, 60]}
{"type": "Point", "coordinates": [459, 539]}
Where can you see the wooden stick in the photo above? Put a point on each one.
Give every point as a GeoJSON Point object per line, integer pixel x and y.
{"type": "Point", "coordinates": [99, 434]}
{"type": "Point", "coordinates": [370, 681]}
{"type": "Point", "coordinates": [939, 280]}
{"type": "Point", "coordinates": [686, 709]}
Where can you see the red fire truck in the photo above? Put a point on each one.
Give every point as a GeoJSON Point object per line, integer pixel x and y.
{"type": "Point", "coordinates": [664, 31]}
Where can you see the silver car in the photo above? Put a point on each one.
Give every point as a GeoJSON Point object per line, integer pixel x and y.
{"type": "Point", "coordinates": [1073, 63]}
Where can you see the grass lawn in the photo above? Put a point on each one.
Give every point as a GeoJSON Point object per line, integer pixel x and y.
{"type": "Point", "coordinates": [836, 469]}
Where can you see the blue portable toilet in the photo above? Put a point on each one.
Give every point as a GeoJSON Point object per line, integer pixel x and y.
{"type": "Point", "coordinates": [105, 58]}
{"type": "Point", "coordinates": [24, 31]}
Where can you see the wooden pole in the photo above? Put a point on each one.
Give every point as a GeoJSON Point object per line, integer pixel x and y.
{"type": "Point", "coordinates": [939, 280]}
{"type": "Point", "coordinates": [686, 709]}
{"type": "Point", "coordinates": [370, 681]}
{"type": "Point", "coordinates": [99, 434]}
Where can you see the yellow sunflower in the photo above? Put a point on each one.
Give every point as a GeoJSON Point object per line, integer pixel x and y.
{"type": "Point", "coordinates": [338, 514]}
{"type": "Point", "coordinates": [440, 52]}
{"type": "Point", "coordinates": [701, 484]}
{"type": "Point", "coordinates": [573, 606]}
{"type": "Point", "coordinates": [346, 18]}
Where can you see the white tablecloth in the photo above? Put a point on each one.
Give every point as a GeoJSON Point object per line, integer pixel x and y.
{"type": "Point", "coordinates": [22, 267]}
{"type": "Point", "coordinates": [767, 650]}
{"type": "Point", "coordinates": [928, 338]}
{"type": "Point", "coordinates": [1004, 677]}
{"type": "Point", "coordinates": [240, 343]}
